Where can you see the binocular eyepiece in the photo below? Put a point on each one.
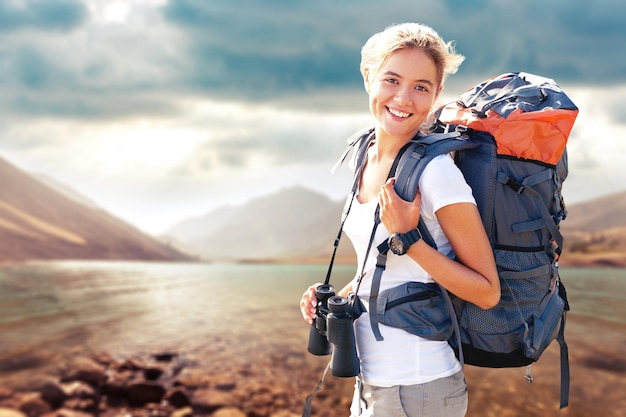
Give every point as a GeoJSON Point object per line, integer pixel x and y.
{"type": "Point", "coordinates": [333, 331]}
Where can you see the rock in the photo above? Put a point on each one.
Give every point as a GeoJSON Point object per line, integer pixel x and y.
{"type": "Point", "coordinates": [144, 392]}
{"type": "Point", "coordinates": [32, 404]}
{"type": "Point", "coordinates": [192, 378]}
{"type": "Point", "coordinates": [81, 396]}
{"type": "Point", "coordinates": [208, 400]}
{"type": "Point", "coordinates": [229, 412]}
{"type": "Point", "coordinates": [86, 370]}
{"type": "Point", "coordinates": [156, 410]}
{"type": "Point", "coordinates": [78, 389]}
{"type": "Point", "coordinates": [165, 356]}
{"type": "Point", "coordinates": [65, 412]}
{"type": "Point", "coordinates": [152, 373]}
{"type": "Point", "coordinates": [284, 413]}
{"type": "Point", "coordinates": [5, 393]}
{"type": "Point", "coordinates": [82, 404]}
{"type": "Point", "coordinates": [53, 393]}
{"type": "Point", "coordinates": [132, 364]}
{"type": "Point", "coordinates": [8, 412]}
{"type": "Point", "coordinates": [115, 389]}
{"type": "Point", "coordinates": [183, 412]}
{"type": "Point", "coordinates": [177, 398]}
{"type": "Point", "coordinates": [105, 359]}
{"type": "Point", "coordinates": [226, 386]}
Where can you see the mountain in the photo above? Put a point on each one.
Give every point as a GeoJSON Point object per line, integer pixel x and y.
{"type": "Point", "coordinates": [295, 223]}
{"type": "Point", "coordinates": [595, 232]}
{"type": "Point", "coordinates": [38, 222]}
{"type": "Point", "coordinates": [603, 213]}
{"type": "Point", "coordinates": [300, 224]}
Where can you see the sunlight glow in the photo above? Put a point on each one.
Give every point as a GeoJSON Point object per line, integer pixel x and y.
{"type": "Point", "coordinates": [115, 12]}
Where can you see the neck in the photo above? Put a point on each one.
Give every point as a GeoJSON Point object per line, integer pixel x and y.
{"type": "Point", "coordinates": [387, 146]}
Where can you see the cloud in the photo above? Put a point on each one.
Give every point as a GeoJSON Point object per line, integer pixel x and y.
{"type": "Point", "coordinates": [190, 100]}
{"type": "Point", "coordinates": [253, 136]}
{"type": "Point", "coordinates": [264, 50]}
{"type": "Point", "coordinates": [41, 15]}
{"type": "Point", "coordinates": [119, 59]}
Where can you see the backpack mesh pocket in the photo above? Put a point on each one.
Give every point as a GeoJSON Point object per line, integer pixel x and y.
{"type": "Point", "coordinates": [525, 279]}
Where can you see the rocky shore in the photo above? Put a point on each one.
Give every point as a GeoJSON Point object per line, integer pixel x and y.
{"type": "Point", "coordinates": [173, 384]}
{"type": "Point", "coordinates": [165, 384]}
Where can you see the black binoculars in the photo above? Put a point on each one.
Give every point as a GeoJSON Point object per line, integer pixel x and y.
{"type": "Point", "coordinates": [333, 331]}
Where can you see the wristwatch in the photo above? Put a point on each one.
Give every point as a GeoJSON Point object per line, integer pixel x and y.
{"type": "Point", "coordinates": [399, 243]}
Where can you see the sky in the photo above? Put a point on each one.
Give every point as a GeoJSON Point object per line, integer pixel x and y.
{"type": "Point", "coordinates": [162, 110]}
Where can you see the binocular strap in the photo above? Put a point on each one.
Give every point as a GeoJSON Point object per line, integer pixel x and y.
{"type": "Point", "coordinates": [309, 399]}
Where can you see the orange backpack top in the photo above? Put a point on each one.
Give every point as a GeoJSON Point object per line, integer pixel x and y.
{"type": "Point", "coordinates": [529, 116]}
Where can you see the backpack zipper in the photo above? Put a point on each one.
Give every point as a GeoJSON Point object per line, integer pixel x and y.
{"type": "Point", "coordinates": [424, 295]}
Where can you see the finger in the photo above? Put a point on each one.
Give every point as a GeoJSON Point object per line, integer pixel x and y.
{"type": "Point", "coordinates": [384, 196]}
{"type": "Point", "coordinates": [308, 303]}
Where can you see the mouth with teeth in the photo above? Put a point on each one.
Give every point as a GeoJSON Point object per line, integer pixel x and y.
{"type": "Point", "coordinates": [398, 113]}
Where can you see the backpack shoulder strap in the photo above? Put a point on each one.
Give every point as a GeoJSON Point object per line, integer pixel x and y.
{"type": "Point", "coordinates": [360, 140]}
{"type": "Point", "coordinates": [410, 167]}
{"type": "Point", "coordinates": [420, 153]}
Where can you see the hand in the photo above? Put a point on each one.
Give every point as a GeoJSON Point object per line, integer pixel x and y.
{"type": "Point", "coordinates": [308, 303]}
{"type": "Point", "coordinates": [398, 215]}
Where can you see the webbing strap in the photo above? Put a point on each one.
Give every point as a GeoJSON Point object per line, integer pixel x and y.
{"type": "Point", "coordinates": [309, 399]}
{"type": "Point", "coordinates": [455, 323]}
{"type": "Point", "coordinates": [539, 203]}
{"type": "Point", "coordinates": [428, 238]}
{"type": "Point", "coordinates": [565, 376]}
{"type": "Point", "coordinates": [381, 261]}
{"type": "Point", "coordinates": [529, 226]}
{"type": "Point", "coordinates": [531, 273]}
{"type": "Point", "coordinates": [367, 137]}
{"type": "Point", "coordinates": [550, 222]}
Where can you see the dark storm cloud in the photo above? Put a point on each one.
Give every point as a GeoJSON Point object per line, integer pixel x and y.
{"type": "Point", "coordinates": [253, 49]}
{"type": "Point", "coordinates": [270, 47]}
{"type": "Point", "coordinates": [57, 15]}
{"type": "Point", "coordinates": [55, 60]}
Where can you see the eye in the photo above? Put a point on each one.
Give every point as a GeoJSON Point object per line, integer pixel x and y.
{"type": "Point", "coordinates": [391, 80]}
{"type": "Point", "coordinates": [422, 88]}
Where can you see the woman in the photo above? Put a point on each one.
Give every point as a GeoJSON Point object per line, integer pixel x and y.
{"type": "Point", "coordinates": [404, 68]}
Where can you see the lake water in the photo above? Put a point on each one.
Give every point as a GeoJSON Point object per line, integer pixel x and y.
{"type": "Point", "coordinates": [52, 310]}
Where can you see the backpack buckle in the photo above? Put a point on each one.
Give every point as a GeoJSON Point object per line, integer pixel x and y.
{"type": "Point", "coordinates": [516, 186]}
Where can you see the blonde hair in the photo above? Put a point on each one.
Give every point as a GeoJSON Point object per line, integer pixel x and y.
{"type": "Point", "coordinates": [409, 36]}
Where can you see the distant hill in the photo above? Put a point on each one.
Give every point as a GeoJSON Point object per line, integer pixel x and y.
{"type": "Point", "coordinates": [602, 213]}
{"type": "Point", "coordinates": [595, 232]}
{"type": "Point", "coordinates": [39, 222]}
{"type": "Point", "coordinates": [300, 224]}
{"type": "Point", "coordinates": [295, 223]}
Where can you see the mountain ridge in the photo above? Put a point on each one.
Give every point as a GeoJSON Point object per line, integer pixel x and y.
{"type": "Point", "coordinates": [593, 230]}
{"type": "Point", "coordinates": [38, 222]}
{"type": "Point", "coordinates": [301, 223]}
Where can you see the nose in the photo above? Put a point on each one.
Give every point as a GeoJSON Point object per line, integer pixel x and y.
{"type": "Point", "coordinates": [403, 96]}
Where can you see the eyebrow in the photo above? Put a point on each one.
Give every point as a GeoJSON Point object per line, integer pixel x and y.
{"type": "Point", "coordinates": [418, 81]}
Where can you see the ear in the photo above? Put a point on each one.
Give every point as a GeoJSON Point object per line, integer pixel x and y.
{"type": "Point", "coordinates": [366, 80]}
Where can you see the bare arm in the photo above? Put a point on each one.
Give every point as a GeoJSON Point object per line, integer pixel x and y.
{"type": "Point", "coordinates": [475, 277]}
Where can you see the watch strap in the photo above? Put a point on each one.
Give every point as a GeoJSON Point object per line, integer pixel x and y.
{"type": "Point", "coordinates": [411, 237]}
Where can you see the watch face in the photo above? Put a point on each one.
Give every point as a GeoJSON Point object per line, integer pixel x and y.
{"type": "Point", "coordinates": [396, 245]}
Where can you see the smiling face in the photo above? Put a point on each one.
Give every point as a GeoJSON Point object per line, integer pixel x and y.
{"type": "Point", "coordinates": [402, 93]}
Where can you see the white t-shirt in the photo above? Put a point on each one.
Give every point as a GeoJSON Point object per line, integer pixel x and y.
{"type": "Point", "coordinates": [403, 358]}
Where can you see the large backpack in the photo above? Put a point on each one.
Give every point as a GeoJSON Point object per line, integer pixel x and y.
{"type": "Point", "coordinates": [510, 145]}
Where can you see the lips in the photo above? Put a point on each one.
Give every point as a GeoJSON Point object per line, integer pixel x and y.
{"type": "Point", "coordinates": [398, 113]}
